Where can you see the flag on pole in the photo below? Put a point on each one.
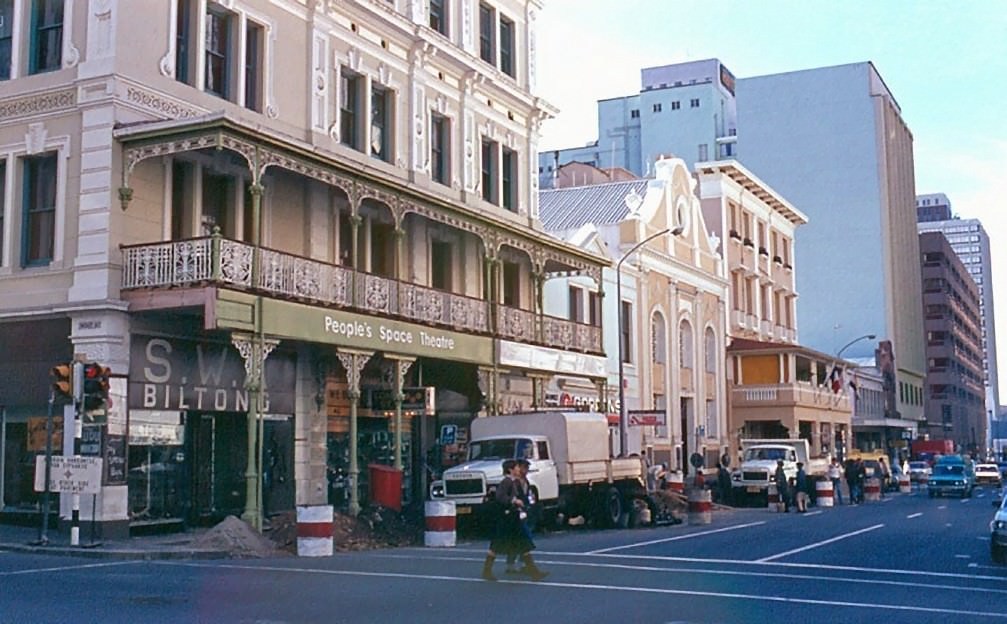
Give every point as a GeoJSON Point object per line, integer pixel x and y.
{"type": "Point", "coordinates": [836, 379]}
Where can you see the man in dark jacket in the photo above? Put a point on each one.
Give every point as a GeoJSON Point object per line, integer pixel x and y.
{"type": "Point", "coordinates": [781, 485]}
{"type": "Point", "coordinates": [511, 535]}
{"type": "Point", "coordinates": [801, 489]}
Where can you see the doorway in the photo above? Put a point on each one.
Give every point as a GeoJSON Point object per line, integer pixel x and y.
{"type": "Point", "coordinates": [687, 424]}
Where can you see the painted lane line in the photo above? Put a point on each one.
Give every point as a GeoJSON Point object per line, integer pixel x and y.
{"type": "Point", "coordinates": [812, 513]}
{"type": "Point", "coordinates": [963, 501]}
{"type": "Point", "coordinates": [676, 538]}
{"type": "Point", "coordinates": [985, 567]}
{"type": "Point", "coordinates": [915, 515]}
{"type": "Point", "coordinates": [887, 500]}
{"type": "Point", "coordinates": [819, 544]}
{"type": "Point", "coordinates": [410, 577]}
{"type": "Point", "coordinates": [963, 556]}
{"type": "Point", "coordinates": [941, 507]}
{"type": "Point", "coordinates": [85, 566]}
{"type": "Point", "coordinates": [720, 572]}
{"type": "Point", "coordinates": [748, 562]}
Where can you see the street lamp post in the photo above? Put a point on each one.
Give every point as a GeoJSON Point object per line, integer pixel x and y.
{"type": "Point", "coordinates": [623, 419]}
{"type": "Point", "coordinates": [839, 354]}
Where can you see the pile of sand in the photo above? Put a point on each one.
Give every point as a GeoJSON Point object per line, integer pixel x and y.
{"type": "Point", "coordinates": [237, 538]}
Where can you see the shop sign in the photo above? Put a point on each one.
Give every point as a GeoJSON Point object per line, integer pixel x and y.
{"type": "Point", "coordinates": [532, 357]}
{"type": "Point", "coordinates": [589, 401]}
{"type": "Point", "coordinates": [156, 428]}
{"type": "Point", "coordinates": [176, 374]}
{"type": "Point", "coordinates": [295, 321]}
{"type": "Point", "coordinates": [647, 418]}
{"type": "Point", "coordinates": [116, 413]}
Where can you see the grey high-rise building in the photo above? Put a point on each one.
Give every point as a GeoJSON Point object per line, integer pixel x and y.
{"type": "Point", "coordinates": [970, 242]}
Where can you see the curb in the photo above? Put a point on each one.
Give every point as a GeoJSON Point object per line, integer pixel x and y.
{"type": "Point", "coordinates": [116, 554]}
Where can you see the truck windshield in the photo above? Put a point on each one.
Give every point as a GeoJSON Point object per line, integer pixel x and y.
{"type": "Point", "coordinates": [492, 449]}
{"type": "Point", "coordinates": [757, 454]}
{"type": "Point", "coordinates": [949, 469]}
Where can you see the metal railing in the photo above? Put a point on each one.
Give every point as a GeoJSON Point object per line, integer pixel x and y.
{"type": "Point", "coordinates": [218, 260]}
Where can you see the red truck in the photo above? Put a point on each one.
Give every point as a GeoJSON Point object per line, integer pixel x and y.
{"type": "Point", "coordinates": [927, 450]}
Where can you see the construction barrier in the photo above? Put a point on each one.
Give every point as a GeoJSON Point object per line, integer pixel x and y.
{"type": "Point", "coordinates": [872, 489]}
{"type": "Point", "coordinates": [440, 524]}
{"type": "Point", "coordinates": [905, 485]}
{"type": "Point", "coordinates": [700, 507]}
{"type": "Point", "coordinates": [824, 493]}
{"type": "Point", "coordinates": [314, 531]}
{"type": "Point", "coordinates": [773, 499]}
{"type": "Point", "coordinates": [676, 483]}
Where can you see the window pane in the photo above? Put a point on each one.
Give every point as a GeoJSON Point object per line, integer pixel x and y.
{"type": "Point", "coordinates": [381, 124]}
{"type": "Point", "coordinates": [253, 73]}
{"type": "Point", "coordinates": [348, 109]}
{"type": "Point", "coordinates": [486, 28]}
{"type": "Point", "coordinates": [507, 46]}
{"type": "Point", "coordinates": [47, 38]}
{"type": "Point", "coordinates": [439, 148]}
{"type": "Point", "coordinates": [507, 178]}
{"type": "Point", "coordinates": [438, 17]}
{"type": "Point", "coordinates": [40, 208]}
{"type": "Point", "coordinates": [217, 53]}
{"type": "Point", "coordinates": [489, 166]}
{"type": "Point", "coordinates": [183, 40]}
{"type": "Point", "coordinates": [6, 36]}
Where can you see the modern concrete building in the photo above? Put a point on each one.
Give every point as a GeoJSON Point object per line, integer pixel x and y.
{"type": "Point", "coordinates": [674, 307]}
{"type": "Point", "coordinates": [278, 222]}
{"type": "Point", "coordinates": [686, 110]}
{"type": "Point", "coordinates": [971, 243]}
{"type": "Point", "coordinates": [955, 384]}
{"type": "Point", "coordinates": [832, 141]}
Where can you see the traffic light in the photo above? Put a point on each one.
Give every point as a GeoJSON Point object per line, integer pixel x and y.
{"type": "Point", "coordinates": [62, 380]}
{"type": "Point", "coordinates": [95, 385]}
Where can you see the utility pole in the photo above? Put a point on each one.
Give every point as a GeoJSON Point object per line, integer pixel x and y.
{"type": "Point", "coordinates": [78, 430]}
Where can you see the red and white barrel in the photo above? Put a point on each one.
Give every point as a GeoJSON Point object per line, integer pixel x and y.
{"type": "Point", "coordinates": [905, 484]}
{"type": "Point", "coordinates": [314, 531]}
{"type": "Point", "coordinates": [872, 489]}
{"type": "Point", "coordinates": [676, 483]}
{"type": "Point", "coordinates": [700, 507]}
{"type": "Point", "coordinates": [924, 479]}
{"type": "Point", "coordinates": [824, 493]}
{"type": "Point", "coordinates": [440, 524]}
{"type": "Point", "coordinates": [773, 498]}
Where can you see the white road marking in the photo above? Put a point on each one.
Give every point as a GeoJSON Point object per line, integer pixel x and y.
{"type": "Point", "coordinates": [963, 501]}
{"type": "Point", "coordinates": [68, 568]}
{"type": "Point", "coordinates": [818, 544]}
{"type": "Point", "coordinates": [963, 556]}
{"type": "Point", "coordinates": [983, 538]}
{"type": "Point", "coordinates": [941, 507]}
{"type": "Point", "coordinates": [887, 500]}
{"type": "Point", "coordinates": [987, 567]}
{"type": "Point", "coordinates": [812, 513]}
{"type": "Point", "coordinates": [722, 572]}
{"type": "Point", "coordinates": [784, 564]}
{"type": "Point", "coordinates": [410, 577]}
{"type": "Point", "coordinates": [915, 515]}
{"type": "Point", "coordinates": [676, 538]}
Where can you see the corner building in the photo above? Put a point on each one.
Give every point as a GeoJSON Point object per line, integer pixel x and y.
{"type": "Point", "coordinates": [321, 212]}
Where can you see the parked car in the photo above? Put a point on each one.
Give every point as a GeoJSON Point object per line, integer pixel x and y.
{"type": "Point", "coordinates": [998, 533]}
{"type": "Point", "coordinates": [919, 471]}
{"type": "Point", "coordinates": [952, 474]}
{"type": "Point", "coordinates": [1003, 469]}
{"type": "Point", "coordinates": [989, 473]}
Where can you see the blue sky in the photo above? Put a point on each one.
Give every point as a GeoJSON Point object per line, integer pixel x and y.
{"type": "Point", "coordinates": [945, 62]}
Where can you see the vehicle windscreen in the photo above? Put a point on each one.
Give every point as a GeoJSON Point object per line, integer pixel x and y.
{"type": "Point", "coordinates": [757, 454]}
{"type": "Point", "coordinates": [917, 465]}
{"type": "Point", "coordinates": [492, 449]}
{"type": "Point", "coordinates": [949, 469]}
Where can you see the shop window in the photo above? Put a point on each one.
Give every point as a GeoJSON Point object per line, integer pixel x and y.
{"type": "Point", "coordinates": [440, 265]}
{"type": "Point", "coordinates": [39, 210]}
{"type": "Point", "coordinates": [46, 36]}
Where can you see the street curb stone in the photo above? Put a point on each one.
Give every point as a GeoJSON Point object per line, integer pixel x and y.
{"type": "Point", "coordinates": [116, 554]}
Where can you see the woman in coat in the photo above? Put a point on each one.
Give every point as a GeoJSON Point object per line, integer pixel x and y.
{"type": "Point", "coordinates": [511, 536]}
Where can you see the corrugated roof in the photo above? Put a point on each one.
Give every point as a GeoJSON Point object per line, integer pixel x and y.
{"type": "Point", "coordinates": [601, 204]}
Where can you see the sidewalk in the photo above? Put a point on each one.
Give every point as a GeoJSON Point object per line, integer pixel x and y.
{"type": "Point", "coordinates": [154, 547]}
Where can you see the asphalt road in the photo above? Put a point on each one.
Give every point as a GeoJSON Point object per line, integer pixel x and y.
{"type": "Point", "coordinates": [907, 559]}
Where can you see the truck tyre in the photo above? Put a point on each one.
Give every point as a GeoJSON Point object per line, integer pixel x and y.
{"type": "Point", "coordinates": [609, 508]}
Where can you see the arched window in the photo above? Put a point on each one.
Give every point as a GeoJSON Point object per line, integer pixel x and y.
{"type": "Point", "coordinates": [685, 345]}
{"type": "Point", "coordinates": [710, 350]}
{"type": "Point", "coordinates": [658, 339]}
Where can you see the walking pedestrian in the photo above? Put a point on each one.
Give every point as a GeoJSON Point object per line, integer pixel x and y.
{"type": "Point", "coordinates": [835, 474]}
{"type": "Point", "coordinates": [512, 535]}
{"type": "Point", "coordinates": [724, 484]}
{"type": "Point", "coordinates": [861, 476]}
{"type": "Point", "coordinates": [781, 485]}
{"type": "Point", "coordinates": [884, 475]}
{"type": "Point", "coordinates": [801, 489]}
{"type": "Point", "coordinates": [851, 479]}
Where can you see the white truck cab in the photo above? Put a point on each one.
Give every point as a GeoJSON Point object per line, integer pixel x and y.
{"type": "Point", "coordinates": [759, 459]}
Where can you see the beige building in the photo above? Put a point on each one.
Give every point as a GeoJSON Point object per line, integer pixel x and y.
{"type": "Point", "coordinates": [777, 388]}
{"type": "Point", "coordinates": [673, 305]}
{"type": "Point", "coordinates": [310, 211]}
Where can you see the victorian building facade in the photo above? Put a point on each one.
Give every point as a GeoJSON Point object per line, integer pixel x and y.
{"type": "Point", "coordinates": [673, 308]}
{"type": "Point", "coordinates": [306, 231]}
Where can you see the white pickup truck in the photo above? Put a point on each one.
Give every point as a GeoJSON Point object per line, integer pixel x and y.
{"type": "Point", "coordinates": [571, 471]}
{"type": "Point", "coordinates": [758, 465]}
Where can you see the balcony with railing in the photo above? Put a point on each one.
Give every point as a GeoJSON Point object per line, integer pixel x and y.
{"type": "Point", "coordinates": [214, 260]}
{"type": "Point", "coordinates": [795, 395]}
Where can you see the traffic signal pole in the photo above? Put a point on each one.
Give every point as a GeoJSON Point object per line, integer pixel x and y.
{"type": "Point", "coordinates": [78, 431]}
{"type": "Point", "coordinates": [43, 531]}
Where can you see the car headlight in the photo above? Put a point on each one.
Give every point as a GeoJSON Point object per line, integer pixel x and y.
{"type": "Point", "coordinates": [997, 525]}
{"type": "Point", "coordinates": [736, 476]}
{"type": "Point", "coordinates": [437, 491]}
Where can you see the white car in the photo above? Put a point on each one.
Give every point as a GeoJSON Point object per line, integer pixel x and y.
{"type": "Point", "coordinates": [919, 471]}
{"type": "Point", "coordinates": [989, 473]}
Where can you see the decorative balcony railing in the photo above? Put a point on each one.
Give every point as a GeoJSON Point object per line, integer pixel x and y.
{"type": "Point", "coordinates": [218, 260]}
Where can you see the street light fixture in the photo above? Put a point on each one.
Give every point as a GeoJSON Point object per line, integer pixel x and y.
{"type": "Point", "coordinates": [839, 354]}
{"type": "Point", "coordinates": [623, 418]}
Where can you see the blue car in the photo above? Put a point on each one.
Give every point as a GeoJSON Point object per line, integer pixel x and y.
{"type": "Point", "coordinates": [952, 474]}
